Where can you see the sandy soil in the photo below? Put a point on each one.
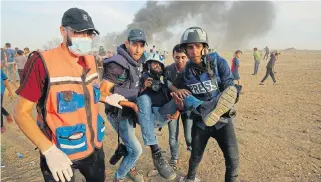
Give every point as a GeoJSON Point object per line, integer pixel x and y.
{"type": "Point", "coordinates": [278, 129]}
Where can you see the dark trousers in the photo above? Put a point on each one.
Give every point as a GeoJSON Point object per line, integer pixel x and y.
{"type": "Point", "coordinates": [269, 72]}
{"type": "Point", "coordinates": [226, 139]}
{"type": "Point", "coordinates": [187, 125]}
{"type": "Point", "coordinates": [266, 56]}
{"type": "Point", "coordinates": [92, 167]}
{"type": "Point", "coordinates": [3, 111]}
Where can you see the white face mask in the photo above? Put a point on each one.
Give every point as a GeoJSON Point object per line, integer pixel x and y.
{"type": "Point", "coordinates": [81, 46]}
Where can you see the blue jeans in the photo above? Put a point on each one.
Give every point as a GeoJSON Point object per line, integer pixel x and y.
{"type": "Point", "coordinates": [256, 66]}
{"type": "Point", "coordinates": [155, 117]}
{"type": "Point", "coordinates": [133, 146]}
{"type": "Point", "coordinates": [10, 70]}
{"type": "Point", "coordinates": [173, 129]}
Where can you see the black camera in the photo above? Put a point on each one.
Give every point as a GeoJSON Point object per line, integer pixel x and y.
{"type": "Point", "coordinates": [156, 85]}
{"type": "Point", "coordinates": [120, 152]}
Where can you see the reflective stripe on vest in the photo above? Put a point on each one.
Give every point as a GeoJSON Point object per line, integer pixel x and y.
{"type": "Point", "coordinates": [89, 78]}
{"type": "Point", "coordinates": [71, 106]}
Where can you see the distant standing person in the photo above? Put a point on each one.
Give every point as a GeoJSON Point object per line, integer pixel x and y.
{"type": "Point", "coordinates": [154, 49]}
{"type": "Point", "coordinates": [11, 54]}
{"type": "Point", "coordinates": [3, 59]}
{"type": "Point", "coordinates": [267, 52]}
{"type": "Point", "coordinates": [235, 66]}
{"type": "Point", "coordinates": [20, 61]}
{"type": "Point", "coordinates": [270, 67]}
{"type": "Point", "coordinates": [257, 58]}
{"type": "Point", "coordinates": [26, 52]}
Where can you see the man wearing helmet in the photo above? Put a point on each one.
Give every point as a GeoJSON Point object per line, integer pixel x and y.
{"type": "Point", "coordinates": [208, 78]}
{"type": "Point", "coordinates": [157, 108]}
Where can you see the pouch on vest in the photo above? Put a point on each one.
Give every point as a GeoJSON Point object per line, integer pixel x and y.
{"type": "Point", "coordinates": [69, 101]}
{"type": "Point", "coordinates": [72, 139]}
{"type": "Point", "coordinates": [96, 94]}
{"type": "Point", "coordinates": [130, 94]}
{"type": "Point", "coordinates": [100, 128]}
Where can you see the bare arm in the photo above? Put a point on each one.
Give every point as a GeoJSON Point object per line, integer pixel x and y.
{"type": "Point", "coordinates": [28, 125]}
{"type": "Point", "coordinates": [105, 90]}
{"type": "Point", "coordinates": [172, 88]}
{"type": "Point", "coordinates": [6, 83]}
{"type": "Point", "coordinates": [5, 58]}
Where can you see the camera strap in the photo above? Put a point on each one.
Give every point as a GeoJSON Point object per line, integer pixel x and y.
{"type": "Point", "coordinates": [118, 124]}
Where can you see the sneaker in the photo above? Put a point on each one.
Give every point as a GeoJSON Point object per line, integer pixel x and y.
{"type": "Point", "coordinates": [164, 169]}
{"type": "Point", "coordinates": [225, 102]}
{"type": "Point", "coordinates": [135, 176]}
{"type": "Point", "coordinates": [261, 83]}
{"type": "Point", "coordinates": [9, 119]}
{"type": "Point", "coordinates": [173, 163]}
{"type": "Point", "coordinates": [184, 179]}
{"type": "Point", "coordinates": [118, 180]}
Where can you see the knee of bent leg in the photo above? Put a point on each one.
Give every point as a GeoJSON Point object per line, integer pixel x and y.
{"type": "Point", "coordinates": [196, 159]}
{"type": "Point", "coordinates": [135, 150]}
{"type": "Point", "coordinates": [144, 100]}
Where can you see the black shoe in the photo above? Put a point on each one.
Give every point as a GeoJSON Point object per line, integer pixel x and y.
{"type": "Point", "coordinates": [164, 169]}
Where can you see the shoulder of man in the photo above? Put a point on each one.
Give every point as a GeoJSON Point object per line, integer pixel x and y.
{"type": "Point", "coordinates": [222, 64]}
{"type": "Point", "coordinates": [221, 60]}
{"type": "Point", "coordinates": [117, 59]}
{"type": "Point", "coordinates": [170, 68]}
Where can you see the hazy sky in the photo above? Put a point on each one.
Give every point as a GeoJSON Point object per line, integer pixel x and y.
{"type": "Point", "coordinates": [33, 23]}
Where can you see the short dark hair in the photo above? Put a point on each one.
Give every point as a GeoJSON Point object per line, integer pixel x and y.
{"type": "Point", "coordinates": [8, 45]}
{"type": "Point", "coordinates": [26, 48]}
{"type": "Point", "coordinates": [20, 52]}
{"type": "Point", "coordinates": [255, 48]}
{"type": "Point", "coordinates": [238, 51]}
{"type": "Point", "coordinates": [178, 49]}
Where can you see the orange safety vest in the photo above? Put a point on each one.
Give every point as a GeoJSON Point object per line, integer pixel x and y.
{"type": "Point", "coordinates": [70, 115]}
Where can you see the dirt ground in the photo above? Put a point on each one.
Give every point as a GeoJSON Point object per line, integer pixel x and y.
{"type": "Point", "coordinates": [278, 129]}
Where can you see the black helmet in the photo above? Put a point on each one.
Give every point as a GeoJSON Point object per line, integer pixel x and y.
{"type": "Point", "coordinates": [194, 35]}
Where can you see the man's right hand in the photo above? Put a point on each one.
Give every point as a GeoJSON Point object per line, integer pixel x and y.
{"type": "Point", "coordinates": [182, 93]}
{"type": "Point", "coordinates": [148, 83]}
{"type": "Point", "coordinates": [58, 163]}
{"type": "Point", "coordinates": [114, 100]}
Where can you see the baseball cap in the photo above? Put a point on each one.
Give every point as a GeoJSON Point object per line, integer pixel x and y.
{"type": "Point", "coordinates": [137, 35]}
{"type": "Point", "coordinates": [78, 19]}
